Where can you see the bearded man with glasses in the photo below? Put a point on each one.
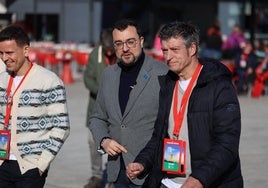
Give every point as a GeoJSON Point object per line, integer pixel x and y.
{"type": "Point", "coordinates": [126, 107]}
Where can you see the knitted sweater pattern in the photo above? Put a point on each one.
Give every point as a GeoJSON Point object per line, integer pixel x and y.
{"type": "Point", "coordinates": [39, 121]}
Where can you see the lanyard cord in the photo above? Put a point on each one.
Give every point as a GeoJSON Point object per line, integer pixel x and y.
{"type": "Point", "coordinates": [178, 116]}
{"type": "Point", "coordinates": [9, 98]}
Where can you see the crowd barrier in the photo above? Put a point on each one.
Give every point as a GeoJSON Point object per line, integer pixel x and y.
{"type": "Point", "coordinates": [53, 56]}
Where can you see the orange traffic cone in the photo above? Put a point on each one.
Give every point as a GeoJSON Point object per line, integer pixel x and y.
{"type": "Point", "coordinates": [67, 76]}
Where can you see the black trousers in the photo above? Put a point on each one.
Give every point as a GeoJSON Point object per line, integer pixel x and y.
{"type": "Point", "coordinates": [11, 177]}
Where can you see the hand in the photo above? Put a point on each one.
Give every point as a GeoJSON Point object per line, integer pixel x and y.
{"type": "Point", "coordinates": [249, 71]}
{"type": "Point", "coordinates": [133, 170]}
{"type": "Point", "coordinates": [192, 182]}
{"type": "Point", "coordinates": [112, 147]}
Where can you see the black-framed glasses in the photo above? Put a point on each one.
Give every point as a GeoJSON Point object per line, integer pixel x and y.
{"type": "Point", "coordinates": [130, 43]}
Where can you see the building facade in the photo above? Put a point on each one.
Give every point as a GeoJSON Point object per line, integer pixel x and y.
{"type": "Point", "coordinates": [82, 20]}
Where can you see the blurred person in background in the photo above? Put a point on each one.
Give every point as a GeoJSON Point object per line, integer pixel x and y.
{"type": "Point", "coordinates": [234, 43]}
{"type": "Point", "coordinates": [213, 42]}
{"type": "Point", "coordinates": [261, 76]}
{"type": "Point", "coordinates": [246, 62]}
{"type": "Point", "coordinates": [100, 57]}
{"type": "Point", "coordinates": [127, 102]}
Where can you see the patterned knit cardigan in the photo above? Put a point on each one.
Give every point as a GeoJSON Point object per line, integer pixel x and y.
{"type": "Point", "coordinates": [39, 120]}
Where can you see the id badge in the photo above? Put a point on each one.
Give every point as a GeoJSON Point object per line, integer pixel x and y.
{"type": "Point", "coordinates": [174, 157]}
{"type": "Point", "coordinates": [4, 144]}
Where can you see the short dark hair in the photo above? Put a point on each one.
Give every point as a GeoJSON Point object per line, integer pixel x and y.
{"type": "Point", "coordinates": [187, 31]}
{"type": "Point", "coordinates": [124, 23]}
{"type": "Point", "coordinates": [106, 38]}
{"type": "Point", "coordinates": [15, 32]}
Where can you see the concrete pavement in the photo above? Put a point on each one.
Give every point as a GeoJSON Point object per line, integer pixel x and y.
{"type": "Point", "coordinates": [71, 168]}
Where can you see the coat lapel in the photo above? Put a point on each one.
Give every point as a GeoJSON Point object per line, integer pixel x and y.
{"type": "Point", "coordinates": [115, 81]}
{"type": "Point", "coordinates": [142, 80]}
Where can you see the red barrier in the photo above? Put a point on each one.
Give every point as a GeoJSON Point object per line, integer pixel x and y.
{"type": "Point", "coordinates": [81, 57]}
{"type": "Point", "coordinates": [66, 58]}
{"type": "Point", "coordinates": [41, 57]}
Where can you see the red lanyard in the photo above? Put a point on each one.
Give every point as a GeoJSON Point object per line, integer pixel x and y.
{"type": "Point", "coordinates": [10, 98]}
{"type": "Point", "coordinates": [178, 116]}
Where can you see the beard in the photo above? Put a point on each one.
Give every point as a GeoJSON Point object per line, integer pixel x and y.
{"type": "Point", "coordinates": [128, 59]}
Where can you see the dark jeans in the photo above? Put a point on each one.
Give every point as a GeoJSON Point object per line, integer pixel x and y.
{"type": "Point", "coordinates": [123, 181]}
{"type": "Point", "coordinates": [11, 177]}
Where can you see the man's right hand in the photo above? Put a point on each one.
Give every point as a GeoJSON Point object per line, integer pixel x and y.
{"type": "Point", "coordinates": [112, 147]}
{"type": "Point", "coordinates": [133, 170]}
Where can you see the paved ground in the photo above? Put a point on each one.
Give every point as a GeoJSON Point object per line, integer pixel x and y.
{"type": "Point", "coordinates": [71, 168]}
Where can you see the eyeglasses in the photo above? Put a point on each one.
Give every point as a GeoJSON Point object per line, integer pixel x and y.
{"type": "Point", "coordinates": [130, 43]}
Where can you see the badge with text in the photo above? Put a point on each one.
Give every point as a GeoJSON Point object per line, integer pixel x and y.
{"type": "Point", "coordinates": [174, 157]}
{"type": "Point", "coordinates": [4, 144]}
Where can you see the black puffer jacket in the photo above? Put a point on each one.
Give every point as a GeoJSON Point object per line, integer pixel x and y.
{"type": "Point", "coordinates": [214, 125]}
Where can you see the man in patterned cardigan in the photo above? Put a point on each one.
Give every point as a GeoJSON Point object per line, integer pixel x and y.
{"type": "Point", "coordinates": [33, 111]}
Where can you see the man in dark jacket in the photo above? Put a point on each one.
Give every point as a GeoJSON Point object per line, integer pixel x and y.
{"type": "Point", "coordinates": [198, 113]}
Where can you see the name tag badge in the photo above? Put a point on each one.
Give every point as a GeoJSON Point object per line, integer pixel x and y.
{"type": "Point", "coordinates": [174, 157]}
{"type": "Point", "coordinates": [4, 144]}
